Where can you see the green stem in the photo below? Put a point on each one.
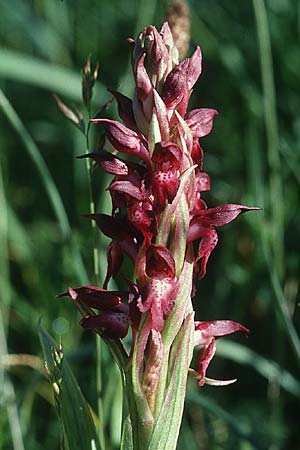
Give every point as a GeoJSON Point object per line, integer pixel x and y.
{"type": "Point", "coordinates": [7, 391]}
{"type": "Point", "coordinates": [282, 307]}
{"type": "Point", "coordinates": [276, 190]}
{"type": "Point", "coordinates": [97, 282]}
{"type": "Point", "coordinates": [5, 294]}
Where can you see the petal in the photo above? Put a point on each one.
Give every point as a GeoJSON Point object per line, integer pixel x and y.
{"type": "Point", "coordinates": [162, 117]}
{"type": "Point", "coordinates": [214, 382]}
{"type": "Point", "coordinates": [143, 83]}
{"type": "Point", "coordinates": [196, 229]}
{"type": "Point", "coordinates": [200, 121]}
{"type": "Point", "coordinates": [175, 87]}
{"type": "Point", "coordinates": [125, 109]}
{"type": "Point", "coordinates": [126, 187]}
{"type": "Point", "coordinates": [143, 219]}
{"type": "Point", "coordinates": [194, 68]}
{"type": "Point", "coordinates": [197, 153]}
{"type": "Point", "coordinates": [158, 296]}
{"type": "Point", "coordinates": [108, 162]}
{"type": "Point", "coordinates": [204, 356]}
{"type": "Point", "coordinates": [114, 256]}
{"type": "Point", "coordinates": [95, 297]}
{"type": "Point", "coordinates": [205, 334]}
{"type": "Point", "coordinates": [218, 328]}
{"type": "Point", "coordinates": [202, 182]}
{"type": "Point", "coordinates": [115, 324]}
{"type": "Point", "coordinates": [221, 215]}
{"type": "Point", "coordinates": [206, 246]}
{"type": "Point", "coordinates": [165, 185]}
{"type": "Point", "coordinates": [158, 54]}
{"type": "Point", "coordinates": [159, 262]}
{"type": "Point", "coordinates": [124, 139]}
{"type": "Point", "coordinates": [114, 227]}
{"type": "Point", "coordinates": [167, 152]}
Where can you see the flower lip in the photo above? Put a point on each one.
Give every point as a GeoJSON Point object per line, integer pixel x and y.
{"type": "Point", "coordinates": [206, 334]}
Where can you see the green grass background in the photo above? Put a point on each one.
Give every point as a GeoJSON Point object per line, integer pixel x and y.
{"type": "Point", "coordinates": [251, 74]}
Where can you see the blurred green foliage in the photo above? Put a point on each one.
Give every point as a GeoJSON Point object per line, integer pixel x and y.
{"type": "Point", "coordinates": [252, 156]}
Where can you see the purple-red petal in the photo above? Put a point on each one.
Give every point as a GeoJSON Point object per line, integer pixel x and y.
{"type": "Point", "coordinates": [221, 215]}
{"type": "Point", "coordinates": [206, 246]}
{"type": "Point", "coordinates": [115, 324]}
{"type": "Point", "coordinates": [167, 152]}
{"type": "Point", "coordinates": [158, 296]}
{"type": "Point", "coordinates": [218, 328]}
{"type": "Point", "coordinates": [200, 121]}
{"type": "Point", "coordinates": [165, 185]}
{"type": "Point", "coordinates": [126, 187]}
{"type": "Point", "coordinates": [202, 182]}
{"type": "Point", "coordinates": [125, 109]}
{"type": "Point", "coordinates": [124, 139]}
{"type": "Point", "coordinates": [143, 83]}
{"type": "Point", "coordinates": [159, 262]}
{"type": "Point", "coordinates": [204, 357]}
{"type": "Point", "coordinates": [175, 87]}
{"type": "Point", "coordinates": [95, 297]}
{"type": "Point", "coordinates": [114, 227]}
{"type": "Point", "coordinates": [108, 162]}
{"type": "Point", "coordinates": [194, 68]}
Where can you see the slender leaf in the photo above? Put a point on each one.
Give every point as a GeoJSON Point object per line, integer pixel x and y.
{"type": "Point", "coordinates": [46, 178]}
{"type": "Point", "coordinates": [233, 422]}
{"type": "Point", "coordinates": [77, 424]}
{"type": "Point", "coordinates": [27, 69]}
{"type": "Point", "coordinates": [271, 125]}
{"type": "Point", "coordinates": [126, 441]}
{"type": "Point", "coordinates": [268, 369]}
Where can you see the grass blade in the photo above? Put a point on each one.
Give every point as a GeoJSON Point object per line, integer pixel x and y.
{"type": "Point", "coordinates": [51, 189]}
{"type": "Point", "coordinates": [268, 369]}
{"type": "Point", "coordinates": [282, 308]}
{"type": "Point", "coordinates": [275, 188]}
{"type": "Point", "coordinates": [26, 69]}
{"type": "Point", "coordinates": [211, 406]}
{"type": "Point", "coordinates": [77, 424]}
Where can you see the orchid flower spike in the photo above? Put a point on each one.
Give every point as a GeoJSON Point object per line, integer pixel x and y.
{"type": "Point", "coordinates": [161, 225]}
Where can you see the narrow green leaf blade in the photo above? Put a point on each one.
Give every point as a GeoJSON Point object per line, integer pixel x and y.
{"type": "Point", "coordinates": [232, 421]}
{"type": "Point", "coordinates": [78, 426]}
{"type": "Point", "coordinates": [265, 367]}
{"type": "Point", "coordinates": [27, 69]}
{"type": "Point", "coordinates": [126, 441]}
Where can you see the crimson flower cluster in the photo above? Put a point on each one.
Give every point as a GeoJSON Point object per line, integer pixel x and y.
{"type": "Point", "coordinates": [159, 219]}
